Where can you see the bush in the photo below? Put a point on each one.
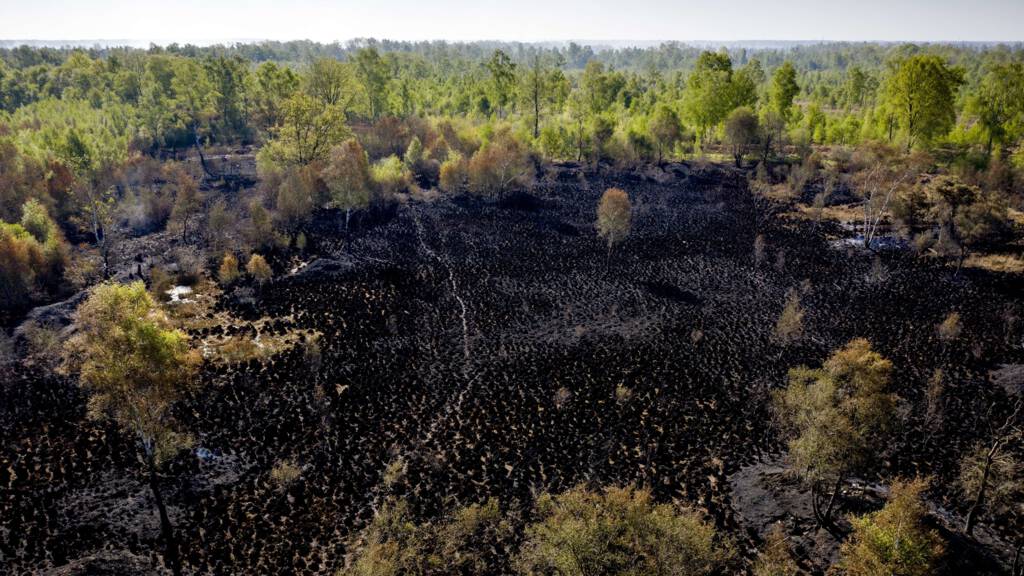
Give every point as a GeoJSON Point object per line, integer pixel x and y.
{"type": "Point", "coordinates": [790, 325]}
{"type": "Point", "coordinates": [35, 219]}
{"type": "Point", "coordinates": [228, 271]}
{"type": "Point", "coordinates": [619, 531]}
{"type": "Point", "coordinates": [20, 257]}
{"type": "Point", "coordinates": [614, 216]}
{"type": "Point", "coordinates": [465, 541]}
{"type": "Point", "coordinates": [258, 268]}
{"type": "Point", "coordinates": [347, 175]}
{"type": "Point", "coordinates": [390, 177]}
{"type": "Point", "coordinates": [776, 558]}
{"type": "Point", "coordinates": [295, 197]}
{"type": "Point", "coordinates": [498, 166]}
{"type": "Point", "coordinates": [462, 138]}
{"type": "Point", "coordinates": [556, 142]}
{"type": "Point", "coordinates": [893, 540]}
{"type": "Point", "coordinates": [454, 173]}
{"type": "Point", "coordinates": [836, 418]}
{"type": "Point", "coordinates": [285, 473]}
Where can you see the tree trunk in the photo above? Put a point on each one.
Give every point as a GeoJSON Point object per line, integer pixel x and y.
{"type": "Point", "coordinates": [202, 159]}
{"type": "Point", "coordinates": [166, 528]}
{"type": "Point", "coordinates": [827, 516]}
{"type": "Point", "coordinates": [814, 503]}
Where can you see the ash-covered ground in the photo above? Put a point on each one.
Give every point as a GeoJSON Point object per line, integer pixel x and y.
{"type": "Point", "coordinates": [488, 347]}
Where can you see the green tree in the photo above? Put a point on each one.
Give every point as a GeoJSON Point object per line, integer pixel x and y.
{"type": "Point", "coordinates": [373, 73]}
{"type": "Point", "coordinates": [665, 129]}
{"type": "Point", "coordinates": [503, 80]}
{"type": "Point", "coordinates": [619, 531]}
{"type": "Point", "coordinates": [347, 176]}
{"type": "Point", "coordinates": [921, 90]}
{"type": "Point", "coordinates": [784, 89]}
{"type": "Point", "coordinates": [269, 87]}
{"type": "Point", "coordinates": [135, 367]}
{"type": "Point", "coordinates": [228, 77]}
{"type": "Point", "coordinates": [836, 417]}
{"type": "Point", "coordinates": [544, 86]}
{"type": "Point", "coordinates": [333, 83]}
{"type": "Point", "coordinates": [309, 129]}
{"type": "Point", "coordinates": [709, 97]}
{"type": "Point", "coordinates": [998, 103]}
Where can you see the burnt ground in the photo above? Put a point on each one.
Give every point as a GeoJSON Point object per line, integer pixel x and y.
{"type": "Point", "coordinates": [480, 344]}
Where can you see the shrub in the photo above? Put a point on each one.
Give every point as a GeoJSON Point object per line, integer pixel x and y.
{"type": "Point", "coordinates": [36, 220]}
{"type": "Point", "coordinates": [454, 173]}
{"type": "Point", "coordinates": [347, 175]}
{"type": "Point", "coordinates": [614, 216]}
{"type": "Point", "coordinates": [465, 541]}
{"type": "Point", "coordinates": [295, 197]}
{"type": "Point", "coordinates": [413, 154]}
{"type": "Point", "coordinates": [285, 473]}
{"type": "Point", "coordinates": [619, 531]}
{"type": "Point", "coordinates": [893, 540]}
{"type": "Point", "coordinates": [499, 165]}
{"type": "Point", "coordinates": [741, 132]}
{"type": "Point", "coordinates": [776, 558]}
{"type": "Point", "coordinates": [20, 257]}
{"type": "Point", "coordinates": [790, 325]}
{"type": "Point", "coordinates": [228, 271]}
{"type": "Point", "coordinates": [950, 328]}
{"type": "Point", "coordinates": [556, 142]}
{"type": "Point", "coordinates": [260, 232]}
{"type": "Point", "coordinates": [836, 417]}
{"type": "Point", "coordinates": [390, 177]}
{"type": "Point", "coordinates": [258, 268]}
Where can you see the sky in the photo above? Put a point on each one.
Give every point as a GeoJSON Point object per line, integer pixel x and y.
{"type": "Point", "coordinates": [203, 21]}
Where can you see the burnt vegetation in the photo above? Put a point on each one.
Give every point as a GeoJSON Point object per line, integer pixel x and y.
{"type": "Point", "coordinates": [557, 317]}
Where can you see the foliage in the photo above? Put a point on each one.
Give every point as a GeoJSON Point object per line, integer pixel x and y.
{"type": "Point", "coordinates": [309, 129]}
{"type": "Point", "coordinates": [454, 173]}
{"type": "Point", "coordinates": [836, 417]}
{"type": "Point", "coordinates": [258, 268]}
{"type": "Point", "coordinates": [20, 257]}
{"type": "Point", "coordinates": [618, 531]}
{"type": "Point", "coordinates": [741, 132]}
{"type": "Point", "coordinates": [133, 363]}
{"type": "Point", "coordinates": [347, 175]}
{"type": "Point", "coordinates": [921, 93]}
{"type": "Point", "coordinates": [227, 273]}
{"type": "Point", "coordinates": [776, 557]}
{"type": "Point", "coordinates": [295, 197]}
{"type": "Point", "coordinates": [614, 216]}
{"type": "Point", "coordinates": [499, 165]}
{"type": "Point", "coordinates": [894, 540]}
{"type": "Point", "coordinates": [790, 325]}
{"type": "Point", "coordinates": [463, 542]}
{"type": "Point", "coordinates": [665, 129]}
{"type": "Point", "coordinates": [389, 177]}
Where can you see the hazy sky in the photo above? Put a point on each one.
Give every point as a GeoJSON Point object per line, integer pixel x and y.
{"type": "Point", "coordinates": [328, 20]}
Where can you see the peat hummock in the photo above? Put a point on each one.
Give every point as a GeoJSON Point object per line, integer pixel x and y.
{"type": "Point", "coordinates": [481, 343]}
